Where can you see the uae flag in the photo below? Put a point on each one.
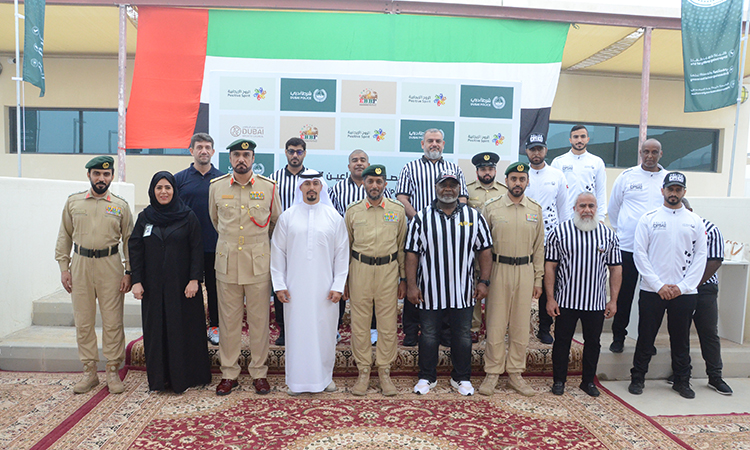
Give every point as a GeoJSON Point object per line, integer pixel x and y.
{"type": "Point", "coordinates": [178, 49]}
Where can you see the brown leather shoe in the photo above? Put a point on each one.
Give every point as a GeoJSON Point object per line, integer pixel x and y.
{"type": "Point", "coordinates": [261, 386]}
{"type": "Point", "coordinates": [225, 386]}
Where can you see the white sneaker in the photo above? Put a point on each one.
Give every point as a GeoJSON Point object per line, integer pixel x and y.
{"type": "Point", "coordinates": [213, 335]}
{"type": "Point", "coordinates": [373, 336]}
{"type": "Point", "coordinates": [423, 387]}
{"type": "Point", "coordinates": [463, 387]}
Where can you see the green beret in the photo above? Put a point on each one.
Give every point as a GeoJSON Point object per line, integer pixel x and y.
{"type": "Point", "coordinates": [101, 162]}
{"type": "Point", "coordinates": [375, 170]}
{"type": "Point", "coordinates": [517, 167]}
{"type": "Point", "coordinates": [242, 144]}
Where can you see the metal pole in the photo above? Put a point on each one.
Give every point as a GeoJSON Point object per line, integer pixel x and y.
{"type": "Point", "coordinates": [645, 78]}
{"type": "Point", "coordinates": [121, 65]}
{"type": "Point", "coordinates": [743, 47]}
{"type": "Point", "coordinates": [18, 80]}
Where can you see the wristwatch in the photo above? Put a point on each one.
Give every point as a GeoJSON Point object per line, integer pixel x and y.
{"type": "Point", "coordinates": [128, 272]}
{"type": "Point", "coordinates": [486, 282]}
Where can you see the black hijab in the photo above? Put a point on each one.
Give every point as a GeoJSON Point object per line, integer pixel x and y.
{"type": "Point", "coordinates": [164, 215]}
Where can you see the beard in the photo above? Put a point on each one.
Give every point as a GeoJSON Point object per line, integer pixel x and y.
{"type": "Point", "coordinates": [100, 187]}
{"type": "Point", "coordinates": [673, 200]}
{"type": "Point", "coordinates": [311, 197]}
{"type": "Point", "coordinates": [241, 169]}
{"type": "Point", "coordinates": [448, 198]}
{"type": "Point", "coordinates": [516, 191]}
{"type": "Point", "coordinates": [487, 179]}
{"type": "Point", "coordinates": [582, 224]}
{"type": "Point", "coordinates": [433, 155]}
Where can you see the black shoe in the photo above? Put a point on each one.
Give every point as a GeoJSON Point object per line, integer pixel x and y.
{"type": "Point", "coordinates": [636, 387]}
{"type": "Point", "coordinates": [589, 388]}
{"type": "Point", "coordinates": [670, 379]}
{"type": "Point", "coordinates": [720, 386]}
{"type": "Point", "coordinates": [410, 340]}
{"type": "Point", "coordinates": [545, 337]}
{"type": "Point", "coordinates": [683, 388]}
{"type": "Point", "coordinates": [558, 388]}
{"type": "Point", "coordinates": [617, 346]}
{"type": "Point", "coordinates": [281, 339]}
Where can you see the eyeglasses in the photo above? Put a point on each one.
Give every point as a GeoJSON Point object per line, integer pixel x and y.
{"type": "Point", "coordinates": [295, 152]}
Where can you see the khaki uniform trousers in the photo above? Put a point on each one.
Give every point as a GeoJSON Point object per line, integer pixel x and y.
{"type": "Point", "coordinates": [232, 300]}
{"type": "Point", "coordinates": [508, 308]}
{"type": "Point", "coordinates": [476, 317]}
{"type": "Point", "coordinates": [98, 278]}
{"type": "Point", "coordinates": [376, 285]}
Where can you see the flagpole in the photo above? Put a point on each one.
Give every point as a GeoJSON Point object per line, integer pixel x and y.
{"type": "Point", "coordinates": [743, 48]}
{"type": "Point", "coordinates": [18, 80]}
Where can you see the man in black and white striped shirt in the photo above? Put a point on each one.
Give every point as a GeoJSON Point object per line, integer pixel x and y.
{"type": "Point", "coordinates": [578, 254]}
{"type": "Point", "coordinates": [351, 190]}
{"type": "Point", "coordinates": [706, 315]}
{"type": "Point", "coordinates": [286, 178]}
{"type": "Point", "coordinates": [416, 191]}
{"type": "Point", "coordinates": [441, 244]}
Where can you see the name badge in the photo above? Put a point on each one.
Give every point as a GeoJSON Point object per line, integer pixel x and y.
{"type": "Point", "coordinates": [147, 230]}
{"type": "Point", "coordinates": [227, 196]}
{"type": "Point", "coordinates": [532, 217]}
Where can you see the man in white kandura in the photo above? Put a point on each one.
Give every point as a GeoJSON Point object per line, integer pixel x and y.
{"type": "Point", "coordinates": [309, 266]}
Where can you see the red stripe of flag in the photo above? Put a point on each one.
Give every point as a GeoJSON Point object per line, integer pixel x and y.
{"type": "Point", "coordinates": [167, 77]}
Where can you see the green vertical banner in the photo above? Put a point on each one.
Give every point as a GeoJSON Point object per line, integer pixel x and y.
{"type": "Point", "coordinates": [33, 43]}
{"type": "Point", "coordinates": [711, 53]}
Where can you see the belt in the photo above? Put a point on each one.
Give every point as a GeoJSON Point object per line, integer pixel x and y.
{"type": "Point", "coordinates": [369, 260]}
{"type": "Point", "coordinates": [520, 261]}
{"type": "Point", "coordinates": [87, 252]}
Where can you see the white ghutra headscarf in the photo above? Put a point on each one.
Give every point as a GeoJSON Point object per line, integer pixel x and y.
{"type": "Point", "coordinates": [309, 174]}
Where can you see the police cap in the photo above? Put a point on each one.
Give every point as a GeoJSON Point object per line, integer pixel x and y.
{"type": "Point", "coordinates": [485, 159]}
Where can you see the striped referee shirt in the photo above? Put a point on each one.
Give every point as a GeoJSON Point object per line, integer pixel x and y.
{"type": "Point", "coordinates": [582, 257]}
{"type": "Point", "coordinates": [286, 184]}
{"type": "Point", "coordinates": [417, 180]}
{"type": "Point", "coordinates": [346, 192]}
{"type": "Point", "coordinates": [715, 247]}
{"type": "Point", "coordinates": [446, 246]}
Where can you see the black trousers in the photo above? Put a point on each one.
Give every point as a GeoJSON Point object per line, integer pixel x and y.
{"type": "Point", "coordinates": [592, 323]}
{"type": "Point", "coordinates": [410, 319]}
{"type": "Point", "coordinates": [651, 310]}
{"type": "Point", "coordinates": [545, 320]}
{"type": "Point", "coordinates": [433, 328]}
{"type": "Point", "coordinates": [625, 298]}
{"type": "Point", "coordinates": [706, 320]}
{"type": "Point", "coordinates": [209, 278]}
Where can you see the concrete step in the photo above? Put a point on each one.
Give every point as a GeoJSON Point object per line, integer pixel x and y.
{"type": "Point", "coordinates": [49, 349]}
{"type": "Point", "coordinates": [56, 310]}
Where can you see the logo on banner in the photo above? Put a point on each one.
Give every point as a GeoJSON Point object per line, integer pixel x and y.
{"type": "Point", "coordinates": [260, 94]}
{"type": "Point", "coordinates": [320, 95]}
{"type": "Point", "coordinates": [498, 102]}
{"type": "Point", "coordinates": [368, 97]}
{"type": "Point", "coordinates": [379, 135]}
{"type": "Point", "coordinates": [498, 139]}
{"type": "Point", "coordinates": [440, 99]}
{"type": "Point", "coordinates": [706, 3]}
{"type": "Point", "coordinates": [259, 168]}
{"type": "Point", "coordinates": [247, 131]}
{"type": "Point", "coordinates": [309, 133]}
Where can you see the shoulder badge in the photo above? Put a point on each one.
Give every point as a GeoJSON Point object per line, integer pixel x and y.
{"type": "Point", "coordinates": [472, 183]}
{"type": "Point", "coordinates": [117, 196]}
{"type": "Point", "coordinates": [265, 178]}
{"type": "Point", "coordinates": [492, 200]}
{"type": "Point", "coordinates": [226, 175]}
{"type": "Point", "coordinates": [355, 203]}
{"type": "Point", "coordinates": [76, 193]}
{"type": "Point", "coordinates": [394, 201]}
{"type": "Point", "coordinates": [534, 202]}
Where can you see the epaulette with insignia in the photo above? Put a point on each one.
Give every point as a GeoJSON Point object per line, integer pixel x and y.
{"type": "Point", "coordinates": [76, 193]}
{"type": "Point", "coordinates": [472, 183]}
{"type": "Point", "coordinates": [502, 184]}
{"type": "Point", "coordinates": [494, 199]}
{"type": "Point", "coordinates": [533, 201]}
{"type": "Point", "coordinates": [115, 195]}
{"type": "Point", "coordinates": [395, 201]}
{"type": "Point", "coordinates": [221, 177]}
{"type": "Point", "coordinates": [265, 178]}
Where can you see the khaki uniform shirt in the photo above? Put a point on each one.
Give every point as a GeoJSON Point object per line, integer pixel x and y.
{"type": "Point", "coordinates": [244, 216]}
{"type": "Point", "coordinates": [517, 230]}
{"type": "Point", "coordinates": [377, 230]}
{"type": "Point", "coordinates": [478, 194]}
{"type": "Point", "coordinates": [93, 223]}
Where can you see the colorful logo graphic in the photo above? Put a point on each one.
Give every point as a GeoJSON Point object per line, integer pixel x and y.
{"type": "Point", "coordinates": [368, 97]}
{"type": "Point", "coordinates": [309, 133]}
{"type": "Point", "coordinates": [440, 99]}
{"type": "Point", "coordinates": [498, 138]}
{"type": "Point", "coordinates": [379, 135]}
{"type": "Point", "coordinates": [260, 94]}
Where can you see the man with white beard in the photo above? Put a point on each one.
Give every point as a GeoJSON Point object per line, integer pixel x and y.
{"type": "Point", "coordinates": [577, 255]}
{"type": "Point", "coordinates": [309, 266]}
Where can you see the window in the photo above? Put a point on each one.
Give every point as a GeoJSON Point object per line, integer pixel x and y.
{"type": "Point", "coordinates": [685, 149]}
{"type": "Point", "coordinates": [87, 131]}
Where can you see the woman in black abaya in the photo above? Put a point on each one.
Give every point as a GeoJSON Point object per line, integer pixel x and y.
{"type": "Point", "coordinates": [166, 259]}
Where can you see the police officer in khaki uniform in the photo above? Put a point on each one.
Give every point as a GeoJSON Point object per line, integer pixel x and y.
{"type": "Point", "coordinates": [484, 188]}
{"type": "Point", "coordinates": [244, 208]}
{"type": "Point", "coordinates": [518, 254]}
{"type": "Point", "coordinates": [377, 230]}
{"type": "Point", "coordinates": [94, 223]}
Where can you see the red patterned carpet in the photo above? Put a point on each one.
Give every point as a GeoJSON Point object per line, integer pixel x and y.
{"type": "Point", "coordinates": [39, 411]}
{"type": "Point", "coordinates": [710, 432]}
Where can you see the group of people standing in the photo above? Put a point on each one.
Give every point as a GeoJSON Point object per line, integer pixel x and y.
{"type": "Point", "coordinates": [442, 245]}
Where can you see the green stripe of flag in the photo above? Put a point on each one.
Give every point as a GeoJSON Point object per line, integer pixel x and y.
{"type": "Point", "coordinates": [384, 37]}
